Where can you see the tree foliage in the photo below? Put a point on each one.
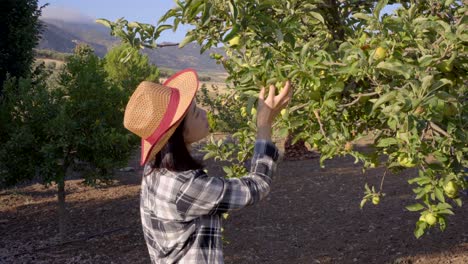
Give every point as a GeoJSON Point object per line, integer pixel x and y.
{"type": "Point", "coordinates": [20, 29]}
{"type": "Point", "coordinates": [398, 78]}
{"type": "Point", "coordinates": [53, 128]}
{"type": "Point", "coordinates": [78, 119]}
{"type": "Point", "coordinates": [127, 67]}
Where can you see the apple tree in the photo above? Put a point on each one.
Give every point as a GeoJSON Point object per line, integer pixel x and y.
{"type": "Point", "coordinates": [398, 78]}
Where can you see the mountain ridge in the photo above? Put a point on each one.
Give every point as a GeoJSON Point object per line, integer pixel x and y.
{"type": "Point", "coordinates": [62, 36]}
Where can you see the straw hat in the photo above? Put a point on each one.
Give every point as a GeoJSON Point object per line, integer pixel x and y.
{"type": "Point", "coordinates": [154, 111]}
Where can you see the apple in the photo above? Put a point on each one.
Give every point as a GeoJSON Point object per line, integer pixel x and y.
{"type": "Point", "coordinates": [234, 41]}
{"type": "Point", "coordinates": [376, 200]}
{"type": "Point", "coordinates": [380, 53]}
{"type": "Point", "coordinates": [243, 111]}
{"type": "Point", "coordinates": [451, 189]}
{"type": "Point", "coordinates": [253, 112]}
{"type": "Point", "coordinates": [430, 219]}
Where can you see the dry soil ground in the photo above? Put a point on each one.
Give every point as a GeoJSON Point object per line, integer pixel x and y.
{"type": "Point", "coordinates": [312, 215]}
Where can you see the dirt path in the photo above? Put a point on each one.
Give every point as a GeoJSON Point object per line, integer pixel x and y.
{"type": "Point", "coordinates": [311, 216]}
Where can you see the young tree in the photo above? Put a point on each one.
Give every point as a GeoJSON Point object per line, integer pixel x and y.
{"type": "Point", "coordinates": [127, 67]}
{"type": "Point", "coordinates": [20, 29]}
{"type": "Point", "coordinates": [53, 128]}
{"type": "Point", "coordinates": [400, 78]}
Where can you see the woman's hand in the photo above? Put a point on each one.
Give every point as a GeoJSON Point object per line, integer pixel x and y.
{"type": "Point", "coordinates": [269, 108]}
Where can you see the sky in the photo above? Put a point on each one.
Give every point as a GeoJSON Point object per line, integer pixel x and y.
{"type": "Point", "coordinates": [145, 11]}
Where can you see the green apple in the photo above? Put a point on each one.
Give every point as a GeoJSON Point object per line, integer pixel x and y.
{"type": "Point", "coordinates": [234, 41]}
{"type": "Point", "coordinates": [376, 200]}
{"type": "Point", "coordinates": [430, 219]}
{"type": "Point", "coordinates": [451, 189]}
{"type": "Point", "coordinates": [243, 111]}
{"type": "Point", "coordinates": [380, 53]}
{"type": "Point", "coordinates": [253, 112]}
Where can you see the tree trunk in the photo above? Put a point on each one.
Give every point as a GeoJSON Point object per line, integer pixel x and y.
{"type": "Point", "coordinates": [297, 151]}
{"type": "Point", "coordinates": [62, 210]}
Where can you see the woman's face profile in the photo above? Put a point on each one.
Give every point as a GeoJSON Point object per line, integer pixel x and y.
{"type": "Point", "coordinates": [196, 124]}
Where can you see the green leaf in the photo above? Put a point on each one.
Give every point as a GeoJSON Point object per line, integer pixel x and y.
{"type": "Point", "coordinates": [415, 207]}
{"type": "Point", "coordinates": [317, 16]}
{"type": "Point", "coordinates": [367, 188]}
{"type": "Point", "coordinates": [425, 60]}
{"type": "Point", "coordinates": [439, 83]}
{"type": "Point", "coordinates": [104, 22]}
{"type": "Point", "coordinates": [383, 99]}
{"type": "Point", "coordinates": [446, 211]}
{"type": "Point", "coordinates": [163, 27]}
{"type": "Point", "coordinates": [233, 10]}
{"type": "Point", "coordinates": [420, 228]}
{"type": "Point", "coordinates": [387, 142]}
{"type": "Point", "coordinates": [362, 16]}
{"type": "Point", "coordinates": [411, 181]}
{"type": "Point", "coordinates": [442, 223]}
{"type": "Point", "coordinates": [445, 25]}
{"type": "Point", "coordinates": [380, 5]}
{"type": "Point", "coordinates": [426, 81]}
{"type": "Point", "coordinates": [227, 170]}
{"type": "Point", "coordinates": [444, 205]}
{"type": "Point", "coordinates": [232, 33]}
{"type": "Point", "coordinates": [187, 40]}
{"type": "Point", "coordinates": [440, 195]}
{"type": "Point", "coordinates": [363, 202]}
{"type": "Point", "coordinates": [304, 50]}
{"type": "Point", "coordinates": [396, 67]}
{"type": "Point", "coordinates": [209, 155]}
{"type": "Point", "coordinates": [333, 91]}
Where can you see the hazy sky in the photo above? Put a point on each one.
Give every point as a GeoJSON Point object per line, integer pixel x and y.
{"type": "Point", "coordinates": [146, 11]}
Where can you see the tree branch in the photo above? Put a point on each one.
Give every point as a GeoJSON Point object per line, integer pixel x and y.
{"type": "Point", "coordinates": [297, 107]}
{"type": "Point", "coordinates": [316, 113]}
{"type": "Point", "coordinates": [424, 131]}
{"type": "Point", "coordinates": [167, 45]}
{"type": "Point", "coordinates": [382, 181]}
{"type": "Point", "coordinates": [439, 129]}
{"type": "Point", "coordinates": [358, 97]}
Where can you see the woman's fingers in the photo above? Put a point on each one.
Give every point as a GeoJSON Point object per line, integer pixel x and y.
{"type": "Point", "coordinates": [261, 95]}
{"type": "Point", "coordinates": [286, 94]}
{"type": "Point", "coordinates": [272, 92]}
{"type": "Point", "coordinates": [275, 101]}
{"type": "Point", "coordinates": [286, 90]}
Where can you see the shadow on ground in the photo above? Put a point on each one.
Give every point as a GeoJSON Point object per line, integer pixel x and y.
{"type": "Point", "coordinates": [312, 215]}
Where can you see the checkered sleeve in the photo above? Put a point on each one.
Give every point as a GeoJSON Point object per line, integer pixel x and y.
{"type": "Point", "coordinates": [207, 195]}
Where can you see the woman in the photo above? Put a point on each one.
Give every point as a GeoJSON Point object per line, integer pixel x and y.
{"type": "Point", "coordinates": [180, 204]}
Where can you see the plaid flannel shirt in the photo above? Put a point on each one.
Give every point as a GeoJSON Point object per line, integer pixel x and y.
{"type": "Point", "coordinates": [181, 211]}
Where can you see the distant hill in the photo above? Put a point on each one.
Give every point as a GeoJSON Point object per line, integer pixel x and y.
{"type": "Point", "coordinates": [62, 36]}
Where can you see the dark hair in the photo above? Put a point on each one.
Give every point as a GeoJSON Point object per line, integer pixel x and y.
{"type": "Point", "coordinates": [174, 156]}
